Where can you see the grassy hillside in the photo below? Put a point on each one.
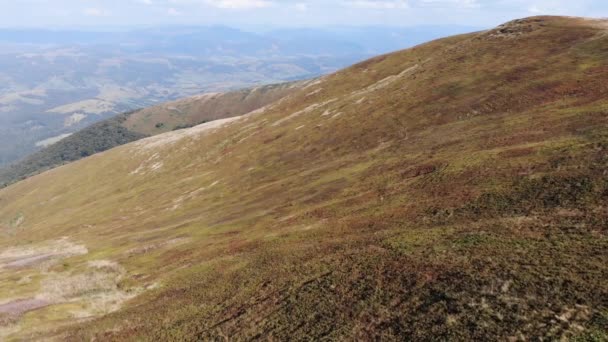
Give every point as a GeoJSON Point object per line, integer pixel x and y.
{"type": "Point", "coordinates": [453, 191]}
{"type": "Point", "coordinates": [135, 125]}
{"type": "Point", "coordinates": [195, 110]}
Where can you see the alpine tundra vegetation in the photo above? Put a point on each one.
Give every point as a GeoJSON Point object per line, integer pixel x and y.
{"type": "Point", "coordinates": [456, 190]}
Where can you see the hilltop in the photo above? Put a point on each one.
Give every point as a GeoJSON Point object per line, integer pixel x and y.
{"type": "Point", "coordinates": [456, 190]}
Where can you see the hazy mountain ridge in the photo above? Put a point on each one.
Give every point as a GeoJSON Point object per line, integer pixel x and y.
{"type": "Point", "coordinates": [452, 191]}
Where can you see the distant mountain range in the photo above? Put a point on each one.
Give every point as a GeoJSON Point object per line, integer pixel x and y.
{"type": "Point", "coordinates": [53, 83]}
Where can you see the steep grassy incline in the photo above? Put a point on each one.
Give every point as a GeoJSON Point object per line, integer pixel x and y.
{"type": "Point", "coordinates": [138, 124]}
{"type": "Point", "coordinates": [453, 191]}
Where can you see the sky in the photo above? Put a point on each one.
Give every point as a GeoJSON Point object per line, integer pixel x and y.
{"type": "Point", "coordinates": [283, 13]}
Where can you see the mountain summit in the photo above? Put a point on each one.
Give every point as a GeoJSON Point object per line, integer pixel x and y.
{"type": "Point", "coordinates": [456, 190]}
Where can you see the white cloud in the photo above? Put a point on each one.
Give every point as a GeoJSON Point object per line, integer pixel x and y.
{"type": "Point", "coordinates": [95, 12]}
{"type": "Point", "coordinates": [301, 6]}
{"type": "Point", "coordinates": [452, 3]}
{"type": "Point", "coordinates": [239, 4]}
{"type": "Point", "coordinates": [380, 4]}
{"type": "Point", "coordinates": [273, 13]}
{"type": "Point", "coordinates": [173, 12]}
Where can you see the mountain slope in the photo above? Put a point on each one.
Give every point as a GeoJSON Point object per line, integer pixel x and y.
{"type": "Point", "coordinates": [135, 125]}
{"type": "Point", "coordinates": [56, 82]}
{"type": "Point", "coordinates": [194, 110]}
{"type": "Point", "coordinates": [456, 190]}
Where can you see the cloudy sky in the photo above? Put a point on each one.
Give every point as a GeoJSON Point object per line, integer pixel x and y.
{"type": "Point", "coordinates": [273, 13]}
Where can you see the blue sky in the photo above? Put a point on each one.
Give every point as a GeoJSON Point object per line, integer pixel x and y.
{"type": "Point", "coordinates": [281, 13]}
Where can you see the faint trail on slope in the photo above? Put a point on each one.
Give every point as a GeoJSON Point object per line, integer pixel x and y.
{"type": "Point", "coordinates": [303, 111]}
{"type": "Point", "coordinates": [384, 82]}
{"type": "Point", "coordinates": [175, 136]}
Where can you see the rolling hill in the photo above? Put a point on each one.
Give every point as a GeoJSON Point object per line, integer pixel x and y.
{"type": "Point", "coordinates": [456, 190]}
{"type": "Point", "coordinates": [135, 125]}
